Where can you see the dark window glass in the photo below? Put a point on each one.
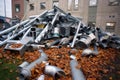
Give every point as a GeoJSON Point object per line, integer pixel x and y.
{"type": "Point", "coordinates": [17, 7]}
{"type": "Point", "coordinates": [56, 3]}
{"type": "Point", "coordinates": [110, 26]}
{"type": "Point", "coordinates": [92, 2]}
{"type": "Point", "coordinates": [31, 6]}
{"type": "Point", "coordinates": [114, 3]}
{"type": "Point", "coordinates": [42, 5]}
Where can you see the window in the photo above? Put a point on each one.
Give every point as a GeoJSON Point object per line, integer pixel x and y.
{"type": "Point", "coordinates": [91, 24]}
{"type": "Point", "coordinates": [17, 7]}
{"type": "Point", "coordinates": [42, 5]}
{"type": "Point", "coordinates": [69, 4]}
{"type": "Point", "coordinates": [31, 6]}
{"type": "Point", "coordinates": [76, 4]}
{"type": "Point", "coordinates": [92, 2]}
{"type": "Point", "coordinates": [110, 27]}
{"type": "Point", "coordinates": [56, 3]}
{"type": "Point", "coordinates": [114, 2]}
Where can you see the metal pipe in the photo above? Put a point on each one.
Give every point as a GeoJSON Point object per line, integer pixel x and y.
{"type": "Point", "coordinates": [27, 32]}
{"type": "Point", "coordinates": [31, 21]}
{"type": "Point", "coordinates": [77, 74]}
{"type": "Point", "coordinates": [86, 40]}
{"type": "Point", "coordinates": [36, 18]}
{"type": "Point", "coordinates": [76, 34]}
{"type": "Point", "coordinates": [42, 77]}
{"type": "Point", "coordinates": [24, 64]}
{"type": "Point", "coordinates": [45, 30]}
{"type": "Point", "coordinates": [88, 52]}
{"type": "Point", "coordinates": [15, 35]}
{"type": "Point", "coordinates": [54, 71]}
{"type": "Point", "coordinates": [26, 72]}
{"type": "Point", "coordinates": [66, 40]}
{"type": "Point", "coordinates": [42, 34]}
{"type": "Point", "coordinates": [13, 27]}
{"type": "Point", "coordinates": [75, 19]}
{"type": "Point", "coordinates": [52, 43]}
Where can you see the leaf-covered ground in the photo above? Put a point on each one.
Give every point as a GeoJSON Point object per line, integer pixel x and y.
{"type": "Point", "coordinates": [105, 66]}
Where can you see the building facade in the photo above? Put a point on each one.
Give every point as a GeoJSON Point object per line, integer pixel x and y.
{"type": "Point", "coordinates": [104, 14]}
{"type": "Point", "coordinates": [6, 8]}
{"type": "Point", "coordinates": [18, 8]}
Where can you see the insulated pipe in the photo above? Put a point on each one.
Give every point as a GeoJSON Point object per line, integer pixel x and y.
{"type": "Point", "coordinates": [13, 27]}
{"type": "Point", "coordinates": [26, 72]}
{"type": "Point", "coordinates": [15, 35]}
{"type": "Point", "coordinates": [54, 71]}
{"type": "Point", "coordinates": [45, 30]}
{"type": "Point", "coordinates": [77, 74]}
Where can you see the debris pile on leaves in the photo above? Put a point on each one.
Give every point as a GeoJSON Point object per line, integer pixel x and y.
{"type": "Point", "coordinates": [57, 46]}
{"type": "Point", "coordinates": [101, 67]}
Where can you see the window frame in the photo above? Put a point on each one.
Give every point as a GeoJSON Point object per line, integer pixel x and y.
{"type": "Point", "coordinates": [69, 5]}
{"type": "Point", "coordinates": [57, 2]}
{"type": "Point", "coordinates": [110, 3]}
{"type": "Point", "coordinates": [17, 6]}
{"type": "Point", "coordinates": [42, 5]}
{"type": "Point", "coordinates": [31, 6]}
{"type": "Point", "coordinates": [76, 4]}
{"type": "Point", "coordinates": [110, 28]}
{"type": "Point", "coordinates": [91, 4]}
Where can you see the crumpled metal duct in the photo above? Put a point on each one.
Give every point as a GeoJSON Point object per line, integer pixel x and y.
{"type": "Point", "coordinates": [86, 40]}
{"type": "Point", "coordinates": [54, 71]}
{"type": "Point", "coordinates": [26, 71]}
{"type": "Point", "coordinates": [77, 74]}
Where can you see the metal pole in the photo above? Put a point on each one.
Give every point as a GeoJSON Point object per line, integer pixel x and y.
{"type": "Point", "coordinates": [76, 34]}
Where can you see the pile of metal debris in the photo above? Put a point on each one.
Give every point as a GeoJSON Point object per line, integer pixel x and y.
{"type": "Point", "coordinates": [55, 28]}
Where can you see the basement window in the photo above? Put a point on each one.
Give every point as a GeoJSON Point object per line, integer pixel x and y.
{"type": "Point", "coordinates": [42, 5]}
{"type": "Point", "coordinates": [17, 8]}
{"type": "Point", "coordinates": [31, 6]}
{"type": "Point", "coordinates": [110, 26]}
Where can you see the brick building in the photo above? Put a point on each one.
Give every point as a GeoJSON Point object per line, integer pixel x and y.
{"type": "Point", "coordinates": [18, 8]}
{"type": "Point", "coordinates": [104, 14]}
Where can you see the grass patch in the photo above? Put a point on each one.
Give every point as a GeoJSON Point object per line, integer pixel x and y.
{"type": "Point", "coordinates": [7, 70]}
